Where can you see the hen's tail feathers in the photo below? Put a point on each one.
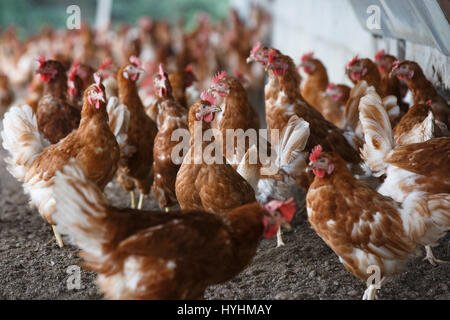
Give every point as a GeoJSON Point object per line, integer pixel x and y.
{"type": "Point", "coordinates": [290, 151]}
{"type": "Point", "coordinates": [22, 139]}
{"type": "Point", "coordinates": [351, 109]}
{"type": "Point", "coordinates": [421, 132]}
{"type": "Point", "coordinates": [377, 132]}
{"type": "Point", "coordinates": [249, 168]}
{"type": "Point", "coordinates": [391, 106]}
{"type": "Point", "coordinates": [273, 178]}
{"type": "Point", "coordinates": [426, 218]}
{"type": "Point", "coordinates": [80, 210]}
{"type": "Point", "coordinates": [119, 119]}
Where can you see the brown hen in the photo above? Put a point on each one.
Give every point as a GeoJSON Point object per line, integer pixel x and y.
{"type": "Point", "coordinates": [155, 255]}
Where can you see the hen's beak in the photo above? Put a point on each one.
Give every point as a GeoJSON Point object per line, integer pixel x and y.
{"type": "Point", "coordinates": [250, 59]}
{"type": "Point", "coordinates": [392, 74]}
{"type": "Point", "coordinates": [309, 167]}
{"type": "Point", "coordinates": [140, 70]}
{"type": "Point", "coordinates": [98, 97]}
{"type": "Point", "coordinates": [212, 109]}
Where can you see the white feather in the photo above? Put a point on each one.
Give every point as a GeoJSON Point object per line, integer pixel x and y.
{"type": "Point", "coordinates": [22, 140]}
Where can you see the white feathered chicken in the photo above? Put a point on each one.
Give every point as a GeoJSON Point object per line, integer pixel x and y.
{"type": "Point", "coordinates": [273, 179]}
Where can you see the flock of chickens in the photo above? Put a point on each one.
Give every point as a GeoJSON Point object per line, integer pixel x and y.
{"type": "Point", "coordinates": [105, 107]}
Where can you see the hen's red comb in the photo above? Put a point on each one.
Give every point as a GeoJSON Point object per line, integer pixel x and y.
{"type": "Point", "coordinates": [205, 96]}
{"type": "Point", "coordinates": [41, 61]}
{"type": "Point", "coordinates": [106, 64]}
{"type": "Point", "coordinates": [161, 72]}
{"type": "Point", "coordinates": [272, 54]}
{"type": "Point", "coordinates": [74, 70]}
{"type": "Point", "coordinates": [317, 150]}
{"type": "Point", "coordinates": [256, 48]}
{"type": "Point", "coordinates": [189, 69]}
{"type": "Point", "coordinates": [98, 81]}
{"type": "Point", "coordinates": [379, 54]}
{"type": "Point", "coordinates": [353, 61]}
{"type": "Point", "coordinates": [307, 56]}
{"type": "Point", "coordinates": [429, 102]}
{"type": "Point", "coordinates": [136, 61]}
{"type": "Point", "coordinates": [287, 208]}
{"type": "Point", "coordinates": [395, 65]}
{"type": "Point", "coordinates": [219, 77]}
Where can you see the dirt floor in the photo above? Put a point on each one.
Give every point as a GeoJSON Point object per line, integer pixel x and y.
{"type": "Point", "coordinates": [32, 266]}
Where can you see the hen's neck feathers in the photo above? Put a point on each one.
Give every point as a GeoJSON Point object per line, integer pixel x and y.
{"type": "Point", "coordinates": [246, 228]}
{"type": "Point", "coordinates": [289, 81]}
{"type": "Point", "coordinates": [318, 80]}
{"type": "Point", "coordinates": [128, 93]}
{"type": "Point", "coordinates": [57, 87]}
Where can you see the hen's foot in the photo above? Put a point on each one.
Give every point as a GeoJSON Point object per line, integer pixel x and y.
{"type": "Point", "coordinates": [431, 258]}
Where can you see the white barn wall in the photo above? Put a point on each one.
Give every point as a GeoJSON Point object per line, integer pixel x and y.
{"type": "Point", "coordinates": [330, 29]}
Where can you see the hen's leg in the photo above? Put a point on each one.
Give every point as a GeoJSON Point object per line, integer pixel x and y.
{"type": "Point", "coordinates": [431, 258]}
{"type": "Point", "coordinates": [133, 200]}
{"type": "Point", "coordinates": [58, 237]}
{"type": "Point", "coordinates": [280, 242]}
{"type": "Point", "coordinates": [141, 201]}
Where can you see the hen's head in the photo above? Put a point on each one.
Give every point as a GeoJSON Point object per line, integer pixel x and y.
{"type": "Point", "coordinates": [95, 93]}
{"type": "Point", "coordinates": [405, 70]}
{"type": "Point", "coordinates": [385, 62]}
{"type": "Point", "coordinates": [259, 54]}
{"type": "Point", "coordinates": [279, 213]}
{"type": "Point", "coordinates": [308, 63]}
{"type": "Point", "coordinates": [321, 163]}
{"type": "Point", "coordinates": [49, 69]}
{"type": "Point", "coordinates": [338, 92]}
{"type": "Point", "coordinates": [220, 84]}
{"type": "Point", "coordinates": [189, 76]}
{"type": "Point", "coordinates": [133, 70]}
{"type": "Point", "coordinates": [205, 109]}
{"type": "Point", "coordinates": [277, 62]}
{"type": "Point", "coordinates": [161, 82]}
{"type": "Point", "coordinates": [357, 68]}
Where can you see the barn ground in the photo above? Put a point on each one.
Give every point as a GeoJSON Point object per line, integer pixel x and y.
{"type": "Point", "coordinates": [32, 266]}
